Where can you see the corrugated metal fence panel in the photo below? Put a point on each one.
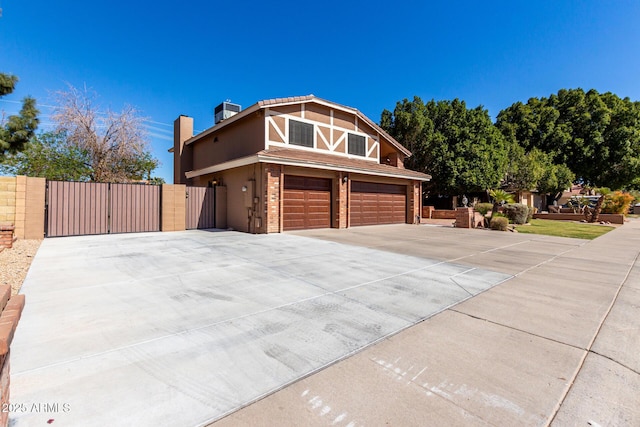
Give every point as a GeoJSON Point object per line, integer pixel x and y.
{"type": "Point", "coordinates": [135, 208]}
{"type": "Point", "coordinates": [200, 209]}
{"type": "Point", "coordinates": [76, 208]}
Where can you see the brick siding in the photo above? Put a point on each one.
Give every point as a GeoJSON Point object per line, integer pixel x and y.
{"type": "Point", "coordinates": [272, 197]}
{"type": "Point", "coordinates": [11, 311]}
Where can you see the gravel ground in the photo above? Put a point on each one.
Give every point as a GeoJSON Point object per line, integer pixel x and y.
{"type": "Point", "coordinates": [15, 262]}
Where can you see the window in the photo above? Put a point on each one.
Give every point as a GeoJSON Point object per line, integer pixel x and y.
{"type": "Point", "coordinates": [300, 133]}
{"type": "Point", "coordinates": [357, 145]}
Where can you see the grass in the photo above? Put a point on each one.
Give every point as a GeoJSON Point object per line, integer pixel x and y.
{"type": "Point", "coordinates": [564, 229]}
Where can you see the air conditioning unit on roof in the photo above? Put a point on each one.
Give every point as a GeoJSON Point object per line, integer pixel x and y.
{"type": "Point", "coordinates": [224, 111]}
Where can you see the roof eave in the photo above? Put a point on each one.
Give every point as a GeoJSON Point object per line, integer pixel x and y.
{"type": "Point", "coordinates": [266, 158]}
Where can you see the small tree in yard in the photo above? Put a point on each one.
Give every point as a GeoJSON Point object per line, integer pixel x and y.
{"type": "Point", "coordinates": [115, 144]}
{"type": "Point", "coordinates": [500, 197]}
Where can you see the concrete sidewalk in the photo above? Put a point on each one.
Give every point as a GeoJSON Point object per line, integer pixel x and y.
{"type": "Point", "coordinates": [558, 344]}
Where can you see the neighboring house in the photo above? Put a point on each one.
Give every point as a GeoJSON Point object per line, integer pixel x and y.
{"type": "Point", "coordinates": [299, 163]}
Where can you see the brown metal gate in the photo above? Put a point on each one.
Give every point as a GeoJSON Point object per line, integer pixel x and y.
{"type": "Point", "coordinates": [201, 208]}
{"type": "Point", "coordinates": [80, 208]}
{"type": "Point", "coordinates": [135, 208]}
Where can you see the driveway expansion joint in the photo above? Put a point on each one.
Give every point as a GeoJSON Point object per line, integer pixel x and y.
{"type": "Point", "coordinates": [615, 361]}
{"type": "Point", "coordinates": [518, 330]}
{"type": "Point", "coordinates": [593, 339]}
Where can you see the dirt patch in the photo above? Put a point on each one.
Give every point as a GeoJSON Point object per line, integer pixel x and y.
{"type": "Point", "coordinates": [15, 263]}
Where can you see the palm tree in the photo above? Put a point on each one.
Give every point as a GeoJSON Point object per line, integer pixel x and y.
{"type": "Point", "coordinates": [500, 197]}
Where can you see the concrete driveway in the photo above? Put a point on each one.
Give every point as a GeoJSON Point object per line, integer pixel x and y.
{"type": "Point", "coordinates": [183, 328]}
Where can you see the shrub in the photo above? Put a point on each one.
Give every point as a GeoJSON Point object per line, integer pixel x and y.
{"type": "Point", "coordinates": [483, 208]}
{"type": "Point", "coordinates": [617, 202]}
{"type": "Point", "coordinates": [499, 223]}
{"type": "Point", "coordinates": [516, 212]}
{"type": "Point", "coordinates": [532, 210]}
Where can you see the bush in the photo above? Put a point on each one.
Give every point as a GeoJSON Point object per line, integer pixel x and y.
{"type": "Point", "coordinates": [532, 210]}
{"type": "Point", "coordinates": [617, 202]}
{"type": "Point", "coordinates": [499, 223]}
{"type": "Point", "coordinates": [516, 212]}
{"type": "Point", "coordinates": [483, 208]}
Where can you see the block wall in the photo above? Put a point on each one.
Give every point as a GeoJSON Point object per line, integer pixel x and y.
{"type": "Point", "coordinates": [7, 199]}
{"type": "Point", "coordinates": [30, 222]}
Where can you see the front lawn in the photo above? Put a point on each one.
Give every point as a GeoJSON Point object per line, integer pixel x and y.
{"type": "Point", "coordinates": [564, 229]}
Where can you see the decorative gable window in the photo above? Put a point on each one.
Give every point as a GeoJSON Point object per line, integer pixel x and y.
{"type": "Point", "coordinates": [300, 133]}
{"type": "Point", "coordinates": [357, 145]}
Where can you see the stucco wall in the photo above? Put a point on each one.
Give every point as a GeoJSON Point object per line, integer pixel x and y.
{"type": "Point", "coordinates": [234, 141]}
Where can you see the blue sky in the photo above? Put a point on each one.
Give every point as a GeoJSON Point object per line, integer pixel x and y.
{"type": "Point", "coordinates": [172, 58]}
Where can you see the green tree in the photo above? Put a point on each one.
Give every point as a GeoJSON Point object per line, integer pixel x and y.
{"type": "Point", "coordinates": [459, 147]}
{"type": "Point", "coordinates": [535, 170]}
{"type": "Point", "coordinates": [156, 180]}
{"type": "Point", "coordinates": [597, 136]}
{"type": "Point", "coordinates": [49, 156]}
{"type": "Point", "coordinates": [16, 130]}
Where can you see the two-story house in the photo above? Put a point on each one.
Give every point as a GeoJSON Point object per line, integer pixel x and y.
{"type": "Point", "coordinates": [298, 163]}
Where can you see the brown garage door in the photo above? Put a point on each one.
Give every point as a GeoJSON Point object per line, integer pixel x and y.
{"type": "Point", "coordinates": [373, 203]}
{"type": "Point", "coordinates": [307, 203]}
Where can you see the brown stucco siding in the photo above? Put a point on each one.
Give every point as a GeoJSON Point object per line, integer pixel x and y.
{"type": "Point", "coordinates": [344, 120]}
{"type": "Point", "coordinates": [374, 152]}
{"type": "Point", "coordinates": [322, 132]}
{"type": "Point", "coordinates": [363, 127]}
{"type": "Point", "coordinates": [234, 179]}
{"type": "Point", "coordinates": [293, 110]}
{"type": "Point", "coordinates": [234, 141]}
{"type": "Point", "coordinates": [317, 113]}
{"type": "Point", "coordinates": [387, 150]}
{"type": "Point", "coordinates": [274, 135]}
